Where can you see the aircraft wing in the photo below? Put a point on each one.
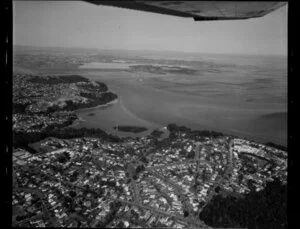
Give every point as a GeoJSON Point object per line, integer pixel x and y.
{"type": "Point", "coordinates": [199, 10]}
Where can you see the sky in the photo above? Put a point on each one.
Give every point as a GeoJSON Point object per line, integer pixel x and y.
{"type": "Point", "coordinates": [81, 24]}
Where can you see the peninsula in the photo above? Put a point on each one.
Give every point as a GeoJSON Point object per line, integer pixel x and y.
{"type": "Point", "coordinates": [43, 102]}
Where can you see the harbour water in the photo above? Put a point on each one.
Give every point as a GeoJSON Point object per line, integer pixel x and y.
{"type": "Point", "coordinates": [240, 95]}
{"type": "Point", "coordinates": [244, 97]}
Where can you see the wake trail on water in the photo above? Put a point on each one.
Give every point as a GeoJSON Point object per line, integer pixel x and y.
{"type": "Point", "coordinates": [131, 114]}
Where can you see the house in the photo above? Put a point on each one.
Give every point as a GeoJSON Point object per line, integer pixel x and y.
{"type": "Point", "coordinates": [126, 224]}
{"type": "Point", "coordinates": [151, 220]}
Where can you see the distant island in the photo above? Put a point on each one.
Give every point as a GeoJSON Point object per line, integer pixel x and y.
{"type": "Point", "coordinates": [133, 129]}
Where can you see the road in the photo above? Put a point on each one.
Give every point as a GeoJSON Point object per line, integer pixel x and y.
{"type": "Point", "coordinates": [189, 161]}
{"type": "Point", "coordinates": [220, 178]}
{"type": "Point", "coordinates": [44, 208]}
{"type": "Point", "coordinates": [198, 223]}
{"type": "Point", "coordinates": [192, 219]}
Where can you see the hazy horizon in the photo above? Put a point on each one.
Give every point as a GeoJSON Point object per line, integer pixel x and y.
{"type": "Point", "coordinates": [79, 24]}
{"type": "Point", "coordinates": [145, 50]}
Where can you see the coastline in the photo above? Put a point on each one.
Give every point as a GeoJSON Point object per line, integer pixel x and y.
{"type": "Point", "coordinates": [235, 132]}
{"type": "Point", "coordinates": [259, 137]}
{"type": "Point", "coordinates": [77, 121]}
{"type": "Point", "coordinates": [99, 106]}
{"type": "Point", "coordinates": [80, 119]}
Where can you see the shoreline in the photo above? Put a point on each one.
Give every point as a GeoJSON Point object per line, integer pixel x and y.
{"type": "Point", "coordinates": [77, 122]}
{"type": "Point", "coordinates": [266, 143]}
{"type": "Point", "coordinates": [242, 134]}
{"type": "Point", "coordinates": [99, 106]}
{"type": "Point", "coordinates": [80, 119]}
{"type": "Point", "coordinates": [235, 132]}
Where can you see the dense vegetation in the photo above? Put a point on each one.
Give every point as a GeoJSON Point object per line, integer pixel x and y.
{"type": "Point", "coordinates": [100, 87]}
{"type": "Point", "coordinates": [276, 146]}
{"type": "Point", "coordinates": [58, 80]}
{"type": "Point", "coordinates": [133, 129]}
{"type": "Point", "coordinates": [22, 139]}
{"type": "Point", "coordinates": [93, 102]}
{"type": "Point", "coordinates": [156, 133]}
{"type": "Point", "coordinates": [173, 128]}
{"type": "Point", "coordinates": [19, 107]}
{"type": "Point", "coordinates": [263, 209]}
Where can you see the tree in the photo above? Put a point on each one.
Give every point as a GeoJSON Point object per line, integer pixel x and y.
{"type": "Point", "coordinates": [185, 213]}
{"type": "Point", "coordinates": [242, 212]}
{"type": "Point", "coordinates": [191, 154]}
{"type": "Point", "coordinates": [72, 194]}
{"type": "Point", "coordinates": [139, 169]}
{"type": "Point", "coordinates": [217, 189]}
{"type": "Point", "coordinates": [64, 157]}
{"type": "Point", "coordinates": [144, 159]}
